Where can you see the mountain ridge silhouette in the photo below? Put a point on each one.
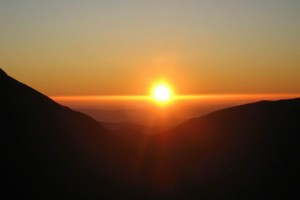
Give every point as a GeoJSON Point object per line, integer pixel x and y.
{"type": "Point", "coordinates": [46, 144]}
{"type": "Point", "coordinates": [243, 152]}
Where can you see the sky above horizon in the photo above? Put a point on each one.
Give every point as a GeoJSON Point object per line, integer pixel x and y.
{"type": "Point", "coordinates": [72, 47]}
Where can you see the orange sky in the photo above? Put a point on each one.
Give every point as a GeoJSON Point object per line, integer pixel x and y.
{"type": "Point", "coordinates": [67, 48]}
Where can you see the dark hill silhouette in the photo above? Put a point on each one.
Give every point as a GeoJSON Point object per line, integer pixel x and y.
{"type": "Point", "coordinates": [244, 152]}
{"type": "Point", "coordinates": [50, 151]}
{"type": "Point", "coordinates": [48, 148]}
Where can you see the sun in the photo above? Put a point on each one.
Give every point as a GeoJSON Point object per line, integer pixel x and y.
{"type": "Point", "coordinates": [162, 92]}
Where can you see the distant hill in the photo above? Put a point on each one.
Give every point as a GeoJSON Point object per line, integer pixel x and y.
{"type": "Point", "coordinates": [243, 152]}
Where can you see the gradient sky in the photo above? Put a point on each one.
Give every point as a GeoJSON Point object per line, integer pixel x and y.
{"type": "Point", "coordinates": [120, 47]}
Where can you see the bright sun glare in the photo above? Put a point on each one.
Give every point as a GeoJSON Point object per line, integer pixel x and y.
{"type": "Point", "coordinates": [162, 92]}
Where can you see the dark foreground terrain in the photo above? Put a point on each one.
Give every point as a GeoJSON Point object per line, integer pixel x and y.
{"type": "Point", "coordinates": [50, 152]}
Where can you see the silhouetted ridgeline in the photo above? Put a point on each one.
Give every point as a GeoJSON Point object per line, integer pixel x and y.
{"type": "Point", "coordinates": [48, 148]}
{"type": "Point", "coordinates": [50, 151]}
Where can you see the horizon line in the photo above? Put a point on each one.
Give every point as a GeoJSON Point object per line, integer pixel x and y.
{"type": "Point", "coordinates": [175, 97]}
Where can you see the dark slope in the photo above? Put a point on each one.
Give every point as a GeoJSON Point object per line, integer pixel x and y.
{"type": "Point", "coordinates": [49, 150]}
{"type": "Point", "coordinates": [244, 152]}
